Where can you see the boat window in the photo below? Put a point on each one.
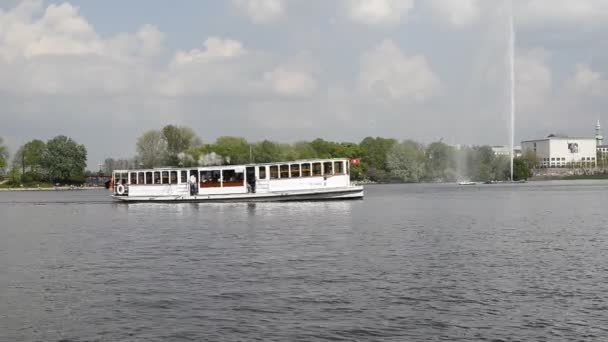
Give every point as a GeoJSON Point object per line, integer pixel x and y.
{"type": "Point", "coordinates": [165, 177]}
{"type": "Point", "coordinates": [295, 170]}
{"type": "Point", "coordinates": [148, 177]}
{"type": "Point", "coordinates": [124, 177]}
{"type": "Point", "coordinates": [306, 170]}
{"type": "Point", "coordinates": [274, 172]}
{"type": "Point", "coordinates": [156, 177]}
{"type": "Point", "coordinates": [339, 167]}
{"type": "Point", "coordinates": [173, 177]}
{"type": "Point", "coordinates": [141, 178]}
{"type": "Point", "coordinates": [232, 178]}
{"type": "Point", "coordinates": [327, 168]}
{"type": "Point", "coordinates": [133, 178]}
{"type": "Point", "coordinates": [284, 171]}
{"type": "Point", "coordinates": [210, 179]}
{"type": "Point", "coordinates": [262, 172]}
{"type": "Point", "coordinates": [184, 177]}
{"type": "Point", "coordinates": [316, 169]}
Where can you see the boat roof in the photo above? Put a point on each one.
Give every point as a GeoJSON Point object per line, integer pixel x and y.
{"type": "Point", "coordinates": [221, 167]}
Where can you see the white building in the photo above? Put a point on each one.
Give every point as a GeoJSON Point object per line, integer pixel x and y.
{"type": "Point", "coordinates": [563, 151]}
{"type": "Point", "coordinates": [504, 151]}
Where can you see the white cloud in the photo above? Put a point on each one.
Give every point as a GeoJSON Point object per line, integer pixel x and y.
{"type": "Point", "coordinates": [289, 82]}
{"type": "Point", "coordinates": [458, 13]}
{"type": "Point", "coordinates": [587, 82]}
{"type": "Point", "coordinates": [382, 13]}
{"type": "Point", "coordinates": [534, 79]}
{"type": "Point", "coordinates": [216, 49]}
{"type": "Point", "coordinates": [540, 13]}
{"type": "Point", "coordinates": [261, 11]}
{"type": "Point", "coordinates": [54, 50]}
{"type": "Point", "coordinates": [387, 72]}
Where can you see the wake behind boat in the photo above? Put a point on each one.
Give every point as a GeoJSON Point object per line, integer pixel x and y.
{"type": "Point", "coordinates": [302, 180]}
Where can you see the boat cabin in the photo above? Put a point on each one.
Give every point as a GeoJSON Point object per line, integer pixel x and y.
{"type": "Point", "coordinates": [233, 179]}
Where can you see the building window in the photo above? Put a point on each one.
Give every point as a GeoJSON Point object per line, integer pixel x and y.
{"type": "Point", "coordinates": [295, 170]}
{"type": "Point", "coordinates": [262, 172]}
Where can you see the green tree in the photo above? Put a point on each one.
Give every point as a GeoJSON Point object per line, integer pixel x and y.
{"type": "Point", "coordinates": [406, 161]}
{"type": "Point", "coordinates": [178, 141]}
{"type": "Point", "coordinates": [235, 150]}
{"type": "Point", "coordinates": [3, 155]}
{"type": "Point", "coordinates": [267, 151]}
{"type": "Point", "coordinates": [521, 171]}
{"type": "Point", "coordinates": [440, 162]}
{"type": "Point", "coordinates": [29, 158]}
{"type": "Point", "coordinates": [151, 149]}
{"type": "Point", "coordinates": [373, 157]}
{"type": "Point", "coordinates": [65, 160]}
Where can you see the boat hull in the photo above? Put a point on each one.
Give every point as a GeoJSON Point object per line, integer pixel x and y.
{"type": "Point", "coordinates": [353, 192]}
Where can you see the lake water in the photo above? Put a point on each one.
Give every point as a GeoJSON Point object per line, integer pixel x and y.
{"type": "Point", "coordinates": [408, 263]}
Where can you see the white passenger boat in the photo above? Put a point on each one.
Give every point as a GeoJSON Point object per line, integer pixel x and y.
{"type": "Point", "coordinates": [302, 180]}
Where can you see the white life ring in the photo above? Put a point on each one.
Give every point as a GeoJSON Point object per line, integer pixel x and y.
{"type": "Point", "coordinates": [120, 189]}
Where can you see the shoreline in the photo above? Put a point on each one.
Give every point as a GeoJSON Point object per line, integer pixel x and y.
{"type": "Point", "coordinates": [55, 188]}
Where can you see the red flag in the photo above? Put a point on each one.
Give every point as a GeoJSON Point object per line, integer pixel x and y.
{"type": "Point", "coordinates": [355, 161]}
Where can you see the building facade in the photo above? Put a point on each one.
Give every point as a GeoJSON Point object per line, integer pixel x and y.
{"type": "Point", "coordinates": [501, 150]}
{"type": "Point", "coordinates": [562, 151]}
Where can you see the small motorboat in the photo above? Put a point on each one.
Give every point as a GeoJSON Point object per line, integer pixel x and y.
{"type": "Point", "coordinates": [466, 183]}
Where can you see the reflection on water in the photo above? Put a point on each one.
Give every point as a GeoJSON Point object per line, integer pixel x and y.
{"type": "Point", "coordinates": [415, 262]}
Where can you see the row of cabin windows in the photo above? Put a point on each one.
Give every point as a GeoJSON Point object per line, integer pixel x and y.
{"type": "Point", "coordinates": [207, 178]}
{"type": "Point", "coordinates": [212, 178]}
{"type": "Point", "coordinates": [302, 170]}
{"type": "Point", "coordinates": [153, 177]}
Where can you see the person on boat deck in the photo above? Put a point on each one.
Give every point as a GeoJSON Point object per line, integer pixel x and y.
{"type": "Point", "coordinates": [192, 185]}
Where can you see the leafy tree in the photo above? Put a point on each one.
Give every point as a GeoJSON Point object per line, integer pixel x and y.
{"type": "Point", "coordinates": [406, 161]}
{"type": "Point", "coordinates": [235, 150]}
{"type": "Point", "coordinates": [151, 149]}
{"type": "Point", "coordinates": [440, 162]}
{"type": "Point", "coordinates": [521, 171]}
{"type": "Point", "coordinates": [178, 140]}
{"type": "Point", "coordinates": [267, 151]}
{"type": "Point", "coordinates": [3, 155]}
{"type": "Point", "coordinates": [29, 158]}
{"type": "Point", "coordinates": [65, 160]}
{"type": "Point", "coordinates": [374, 155]}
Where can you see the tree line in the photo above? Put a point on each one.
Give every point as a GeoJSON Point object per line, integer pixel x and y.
{"type": "Point", "coordinates": [381, 159]}
{"type": "Point", "coordinates": [62, 160]}
{"type": "Point", "coordinates": [58, 160]}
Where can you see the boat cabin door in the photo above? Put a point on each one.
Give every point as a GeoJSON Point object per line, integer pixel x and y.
{"type": "Point", "coordinates": [194, 188]}
{"type": "Point", "coordinates": [250, 178]}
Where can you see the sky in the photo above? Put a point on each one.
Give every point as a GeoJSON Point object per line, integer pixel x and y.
{"type": "Point", "coordinates": [104, 72]}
